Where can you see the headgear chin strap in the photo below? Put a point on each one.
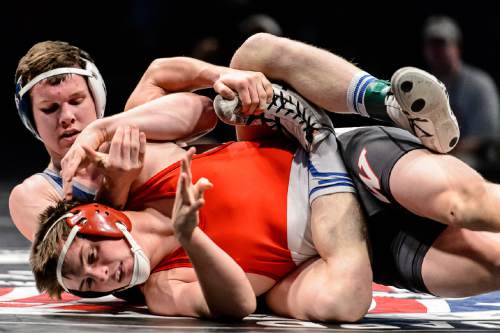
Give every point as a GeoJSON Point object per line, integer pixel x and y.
{"type": "Point", "coordinates": [100, 220]}
{"type": "Point", "coordinates": [142, 268]}
{"type": "Point", "coordinates": [95, 82]}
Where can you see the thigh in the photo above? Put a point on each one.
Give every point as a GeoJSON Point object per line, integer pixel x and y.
{"type": "Point", "coordinates": [462, 262]}
{"type": "Point", "coordinates": [338, 227]}
{"type": "Point", "coordinates": [370, 154]}
{"type": "Point", "coordinates": [435, 185]}
{"type": "Point", "coordinates": [336, 286]}
{"type": "Point", "coordinates": [399, 242]}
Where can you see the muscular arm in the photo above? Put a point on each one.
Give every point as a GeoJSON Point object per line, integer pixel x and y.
{"type": "Point", "coordinates": [168, 75]}
{"type": "Point", "coordinates": [27, 200]}
{"type": "Point", "coordinates": [219, 288]}
{"type": "Point", "coordinates": [181, 74]}
{"type": "Point", "coordinates": [223, 289]}
{"type": "Point", "coordinates": [167, 118]}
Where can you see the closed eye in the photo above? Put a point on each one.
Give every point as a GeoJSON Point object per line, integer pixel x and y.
{"type": "Point", "coordinates": [92, 257]}
{"type": "Point", "coordinates": [76, 101]}
{"type": "Point", "coordinates": [50, 109]}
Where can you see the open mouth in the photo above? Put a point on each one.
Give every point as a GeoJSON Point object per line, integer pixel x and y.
{"type": "Point", "coordinates": [69, 134]}
{"type": "Point", "coordinates": [120, 272]}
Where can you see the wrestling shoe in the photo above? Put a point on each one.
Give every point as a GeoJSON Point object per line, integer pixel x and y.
{"type": "Point", "coordinates": [288, 111]}
{"type": "Point", "coordinates": [419, 103]}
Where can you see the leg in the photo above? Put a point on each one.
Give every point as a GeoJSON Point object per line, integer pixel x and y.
{"type": "Point", "coordinates": [416, 101]}
{"type": "Point", "coordinates": [336, 287]}
{"type": "Point", "coordinates": [393, 166]}
{"type": "Point", "coordinates": [462, 263]}
{"type": "Point", "coordinates": [443, 188]}
{"type": "Point", "coordinates": [319, 76]}
{"type": "Point", "coordinates": [427, 256]}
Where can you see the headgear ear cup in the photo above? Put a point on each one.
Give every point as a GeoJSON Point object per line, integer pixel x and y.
{"type": "Point", "coordinates": [97, 88]}
{"type": "Point", "coordinates": [23, 109]}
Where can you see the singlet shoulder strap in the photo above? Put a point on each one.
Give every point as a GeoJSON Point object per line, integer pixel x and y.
{"type": "Point", "coordinates": [80, 192]}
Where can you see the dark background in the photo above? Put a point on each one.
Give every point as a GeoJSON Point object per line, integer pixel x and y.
{"type": "Point", "coordinates": [123, 37]}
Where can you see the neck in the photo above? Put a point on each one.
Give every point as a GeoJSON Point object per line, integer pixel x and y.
{"type": "Point", "coordinates": [55, 164]}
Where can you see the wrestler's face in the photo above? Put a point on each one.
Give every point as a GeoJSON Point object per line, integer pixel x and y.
{"type": "Point", "coordinates": [61, 112]}
{"type": "Point", "coordinates": [98, 265]}
{"type": "Point", "coordinates": [442, 55]}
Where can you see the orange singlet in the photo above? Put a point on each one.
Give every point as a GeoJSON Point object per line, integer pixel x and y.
{"type": "Point", "coordinates": [246, 211]}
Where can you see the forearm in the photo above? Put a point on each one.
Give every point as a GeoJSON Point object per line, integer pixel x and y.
{"type": "Point", "coordinates": [225, 285]}
{"type": "Point", "coordinates": [171, 117]}
{"type": "Point", "coordinates": [168, 75]}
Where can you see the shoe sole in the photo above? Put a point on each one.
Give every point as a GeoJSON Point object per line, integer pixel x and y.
{"type": "Point", "coordinates": [424, 99]}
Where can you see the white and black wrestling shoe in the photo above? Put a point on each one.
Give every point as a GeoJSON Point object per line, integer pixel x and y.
{"type": "Point", "coordinates": [420, 104]}
{"type": "Point", "coordinates": [287, 111]}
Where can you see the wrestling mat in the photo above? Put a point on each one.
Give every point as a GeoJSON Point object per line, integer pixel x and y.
{"type": "Point", "coordinates": [22, 308]}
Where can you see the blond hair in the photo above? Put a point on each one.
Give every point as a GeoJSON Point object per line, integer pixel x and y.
{"type": "Point", "coordinates": [47, 246]}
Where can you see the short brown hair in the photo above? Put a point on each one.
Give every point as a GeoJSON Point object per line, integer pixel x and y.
{"type": "Point", "coordinates": [45, 56]}
{"type": "Point", "coordinates": [45, 249]}
{"type": "Point", "coordinates": [48, 55]}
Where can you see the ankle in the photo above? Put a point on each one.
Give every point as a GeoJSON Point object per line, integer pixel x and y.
{"type": "Point", "coordinates": [375, 98]}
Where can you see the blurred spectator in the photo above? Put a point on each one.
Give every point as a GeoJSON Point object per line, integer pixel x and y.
{"type": "Point", "coordinates": [259, 23]}
{"type": "Point", "coordinates": [473, 94]}
{"type": "Point", "coordinates": [209, 49]}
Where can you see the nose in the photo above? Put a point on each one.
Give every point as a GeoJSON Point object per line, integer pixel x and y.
{"type": "Point", "coordinates": [67, 116]}
{"type": "Point", "coordinates": [99, 273]}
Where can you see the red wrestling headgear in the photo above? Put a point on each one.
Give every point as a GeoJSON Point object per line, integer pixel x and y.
{"type": "Point", "coordinates": [98, 220]}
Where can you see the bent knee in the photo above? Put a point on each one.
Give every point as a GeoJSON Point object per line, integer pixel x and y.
{"type": "Point", "coordinates": [263, 51]}
{"type": "Point", "coordinates": [260, 39]}
{"type": "Point", "coordinates": [343, 304]}
{"type": "Point", "coordinates": [466, 204]}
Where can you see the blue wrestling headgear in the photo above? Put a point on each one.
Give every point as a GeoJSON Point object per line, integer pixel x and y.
{"type": "Point", "coordinates": [94, 79]}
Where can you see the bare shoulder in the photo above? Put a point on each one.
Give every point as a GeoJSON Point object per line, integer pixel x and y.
{"type": "Point", "coordinates": [32, 188]}
{"type": "Point", "coordinates": [27, 200]}
{"type": "Point", "coordinates": [158, 156]}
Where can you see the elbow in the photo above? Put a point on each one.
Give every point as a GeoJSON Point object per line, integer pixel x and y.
{"type": "Point", "coordinates": [246, 307]}
{"type": "Point", "coordinates": [209, 118]}
{"type": "Point", "coordinates": [237, 311]}
{"type": "Point", "coordinates": [155, 66]}
{"type": "Point", "coordinates": [160, 66]}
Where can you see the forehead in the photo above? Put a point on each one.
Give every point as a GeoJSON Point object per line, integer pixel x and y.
{"type": "Point", "coordinates": [71, 84]}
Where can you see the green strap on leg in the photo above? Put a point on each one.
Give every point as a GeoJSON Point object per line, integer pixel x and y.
{"type": "Point", "coordinates": [374, 99]}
